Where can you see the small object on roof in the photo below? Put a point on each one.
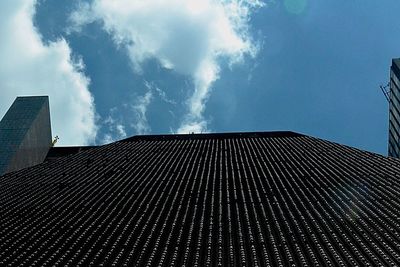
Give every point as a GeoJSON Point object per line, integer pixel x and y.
{"type": "Point", "coordinates": [55, 140]}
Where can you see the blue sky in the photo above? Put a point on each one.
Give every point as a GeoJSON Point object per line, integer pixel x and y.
{"type": "Point", "coordinates": [308, 66]}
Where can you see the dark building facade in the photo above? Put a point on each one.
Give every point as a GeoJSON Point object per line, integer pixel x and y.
{"type": "Point", "coordinates": [25, 133]}
{"type": "Point", "coordinates": [394, 110]}
{"type": "Point", "coordinates": [244, 199]}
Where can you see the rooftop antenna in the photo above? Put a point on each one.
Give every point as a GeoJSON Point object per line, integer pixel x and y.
{"type": "Point", "coordinates": [386, 91]}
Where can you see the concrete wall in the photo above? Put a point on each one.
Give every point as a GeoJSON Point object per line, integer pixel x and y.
{"type": "Point", "coordinates": [25, 134]}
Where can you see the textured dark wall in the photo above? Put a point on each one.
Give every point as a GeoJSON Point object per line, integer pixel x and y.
{"type": "Point", "coordinates": [273, 199]}
{"type": "Point", "coordinates": [394, 110]}
{"type": "Point", "coordinates": [25, 133]}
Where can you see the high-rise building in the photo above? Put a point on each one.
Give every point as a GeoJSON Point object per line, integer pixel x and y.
{"type": "Point", "coordinates": [239, 199]}
{"type": "Point", "coordinates": [394, 110]}
{"type": "Point", "coordinates": [25, 133]}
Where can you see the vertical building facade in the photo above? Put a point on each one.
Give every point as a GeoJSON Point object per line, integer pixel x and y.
{"type": "Point", "coordinates": [25, 133]}
{"type": "Point", "coordinates": [394, 110]}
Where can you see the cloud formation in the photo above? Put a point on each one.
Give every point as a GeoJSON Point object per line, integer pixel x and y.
{"type": "Point", "coordinates": [30, 67]}
{"type": "Point", "coordinates": [115, 127]}
{"type": "Point", "coordinates": [189, 36]}
{"type": "Point", "coordinates": [140, 124]}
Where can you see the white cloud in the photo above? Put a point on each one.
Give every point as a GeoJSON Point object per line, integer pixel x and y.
{"type": "Point", "coordinates": [30, 67]}
{"type": "Point", "coordinates": [141, 124]}
{"type": "Point", "coordinates": [188, 36]}
{"type": "Point", "coordinates": [115, 126]}
{"type": "Point", "coordinates": [121, 130]}
{"type": "Point", "coordinates": [116, 131]}
{"type": "Point", "coordinates": [107, 139]}
{"type": "Point", "coordinates": [164, 96]}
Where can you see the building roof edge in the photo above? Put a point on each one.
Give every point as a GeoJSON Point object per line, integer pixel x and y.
{"type": "Point", "coordinates": [226, 135]}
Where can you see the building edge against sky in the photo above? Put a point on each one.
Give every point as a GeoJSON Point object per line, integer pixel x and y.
{"type": "Point", "coordinates": [25, 130]}
{"type": "Point", "coordinates": [394, 110]}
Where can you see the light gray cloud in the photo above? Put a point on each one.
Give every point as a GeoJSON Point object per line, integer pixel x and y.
{"type": "Point", "coordinates": [30, 67]}
{"type": "Point", "coordinates": [188, 36]}
{"type": "Point", "coordinates": [164, 96]}
{"type": "Point", "coordinates": [140, 124]}
{"type": "Point", "coordinates": [114, 127]}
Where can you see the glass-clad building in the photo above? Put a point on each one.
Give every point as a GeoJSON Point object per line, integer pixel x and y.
{"type": "Point", "coordinates": [394, 110]}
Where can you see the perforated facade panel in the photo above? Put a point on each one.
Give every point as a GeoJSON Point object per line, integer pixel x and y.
{"type": "Point", "coordinates": [254, 199]}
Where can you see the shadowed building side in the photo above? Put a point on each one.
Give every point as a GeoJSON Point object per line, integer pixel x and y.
{"type": "Point", "coordinates": [394, 110]}
{"type": "Point", "coordinates": [25, 133]}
